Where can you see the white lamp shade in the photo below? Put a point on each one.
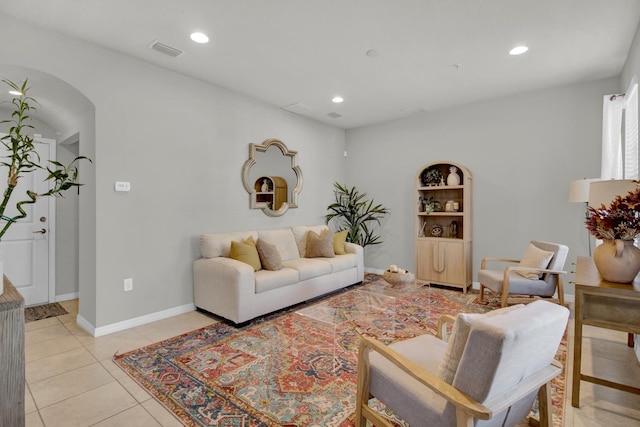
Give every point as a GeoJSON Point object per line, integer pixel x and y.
{"type": "Point", "coordinates": [579, 190]}
{"type": "Point", "coordinates": [603, 192]}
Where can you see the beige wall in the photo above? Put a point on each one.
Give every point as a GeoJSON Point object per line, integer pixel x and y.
{"type": "Point", "coordinates": [181, 143]}
{"type": "Point", "coordinates": [522, 150]}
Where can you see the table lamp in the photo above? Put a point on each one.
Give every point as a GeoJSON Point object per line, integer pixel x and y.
{"type": "Point", "coordinates": [579, 193]}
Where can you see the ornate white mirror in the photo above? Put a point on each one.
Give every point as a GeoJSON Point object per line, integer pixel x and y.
{"type": "Point", "coordinates": [272, 177]}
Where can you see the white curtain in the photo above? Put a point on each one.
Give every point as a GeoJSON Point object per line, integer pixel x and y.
{"type": "Point", "coordinates": [620, 152]}
{"type": "Point", "coordinates": [631, 131]}
{"type": "Point", "coordinates": [612, 160]}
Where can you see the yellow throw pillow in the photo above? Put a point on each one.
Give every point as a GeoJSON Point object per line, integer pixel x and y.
{"type": "Point", "coordinates": [320, 245]}
{"type": "Point", "coordinates": [339, 240]}
{"type": "Point", "coordinates": [246, 252]}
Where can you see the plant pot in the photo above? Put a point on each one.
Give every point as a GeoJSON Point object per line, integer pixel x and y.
{"type": "Point", "coordinates": [617, 260]}
{"type": "Point", "coordinates": [1, 277]}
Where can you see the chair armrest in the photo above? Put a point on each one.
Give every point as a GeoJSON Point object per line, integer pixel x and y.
{"type": "Point", "coordinates": [483, 265]}
{"type": "Point", "coordinates": [438, 386]}
{"type": "Point", "coordinates": [442, 332]}
{"type": "Point", "coordinates": [539, 270]}
{"type": "Point", "coordinates": [532, 383]}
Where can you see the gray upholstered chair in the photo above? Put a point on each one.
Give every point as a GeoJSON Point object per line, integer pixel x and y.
{"type": "Point", "coordinates": [537, 274]}
{"type": "Point", "coordinates": [488, 374]}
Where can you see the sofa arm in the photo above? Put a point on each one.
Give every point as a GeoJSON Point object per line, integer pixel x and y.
{"type": "Point", "coordinates": [222, 286]}
{"type": "Point", "coordinates": [352, 248]}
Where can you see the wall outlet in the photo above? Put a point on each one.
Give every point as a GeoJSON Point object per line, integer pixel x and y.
{"type": "Point", "coordinates": [128, 285]}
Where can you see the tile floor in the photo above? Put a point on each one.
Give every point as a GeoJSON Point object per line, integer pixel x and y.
{"type": "Point", "coordinates": [71, 380]}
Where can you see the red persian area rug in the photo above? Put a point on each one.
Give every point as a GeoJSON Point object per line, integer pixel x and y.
{"type": "Point", "coordinates": [287, 369]}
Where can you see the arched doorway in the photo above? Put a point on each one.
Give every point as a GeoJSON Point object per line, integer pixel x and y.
{"type": "Point", "coordinates": [65, 115]}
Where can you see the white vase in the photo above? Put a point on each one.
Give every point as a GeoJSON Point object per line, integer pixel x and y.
{"type": "Point", "coordinates": [453, 178]}
{"type": "Point", "coordinates": [1, 277]}
{"type": "Point", "coordinates": [617, 260]}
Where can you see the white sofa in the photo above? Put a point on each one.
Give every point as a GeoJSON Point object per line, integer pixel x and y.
{"type": "Point", "coordinates": [232, 289]}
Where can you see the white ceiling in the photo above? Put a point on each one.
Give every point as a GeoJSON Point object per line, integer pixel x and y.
{"type": "Point", "coordinates": [306, 51]}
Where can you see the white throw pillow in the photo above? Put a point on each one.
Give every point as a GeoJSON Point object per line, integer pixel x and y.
{"type": "Point", "coordinates": [534, 257]}
{"type": "Point", "coordinates": [458, 340]}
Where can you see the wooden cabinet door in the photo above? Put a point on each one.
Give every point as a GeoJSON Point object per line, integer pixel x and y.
{"type": "Point", "coordinates": [441, 262]}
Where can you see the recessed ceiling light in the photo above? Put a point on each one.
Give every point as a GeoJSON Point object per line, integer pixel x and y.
{"type": "Point", "coordinates": [373, 53]}
{"type": "Point", "coordinates": [337, 99]}
{"type": "Point", "coordinates": [15, 93]}
{"type": "Point", "coordinates": [199, 37]}
{"type": "Point", "coordinates": [518, 50]}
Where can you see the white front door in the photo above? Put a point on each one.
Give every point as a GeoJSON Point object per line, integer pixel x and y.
{"type": "Point", "coordinates": [24, 249]}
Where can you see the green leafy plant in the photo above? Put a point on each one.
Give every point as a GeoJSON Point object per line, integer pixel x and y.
{"type": "Point", "coordinates": [20, 157]}
{"type": "Point", "coordinates": [352, 211]}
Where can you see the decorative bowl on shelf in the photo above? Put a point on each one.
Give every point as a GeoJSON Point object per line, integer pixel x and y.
{"type": "Point", "coordinates": [397, 278]}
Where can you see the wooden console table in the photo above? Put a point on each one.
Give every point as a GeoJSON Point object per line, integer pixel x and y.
{"type": "Point", "coordinates": [605, 305]}
{"type": "Point", "coordinates": [11, 356]}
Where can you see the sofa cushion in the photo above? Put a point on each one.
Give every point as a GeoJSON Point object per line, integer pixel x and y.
{"type": "Point", "coordinates": [267, 280]}
{"type": "Point", "coordinates": [534, 257]}
{"type": "Point", "coordinates": [269, 256]}
{"type": "Point", "coordinates": [283, 240]}
{"type": "Point", "coordinates": [458, 340]}
{"type": "Point", "coordinates": [218, 244]}
{"type": "Point", "coordinates": [320, 245]}
{"type": "Point", "coordinates": [300, 234]}
{"type": "Point", "coordinates": [342, 262]}
{"type": "Point", "coordinates": [339, 240]}
{"type": "Point", "coordinates": [308, 268]}
{"type": "Point", "coordinates": [246, 252]}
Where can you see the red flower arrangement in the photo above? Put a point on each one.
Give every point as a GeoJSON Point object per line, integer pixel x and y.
{"type": "Point", "coordinates": [621, 220]}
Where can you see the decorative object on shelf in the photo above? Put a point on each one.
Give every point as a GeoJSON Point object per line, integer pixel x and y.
{"type": "Point", "coordinates": [449, 206]}
{"type": "Point", "coordinates": [397, 277]}
{"type": "Point", "coordinates": [453, 178]}
{"type": "Point", "coordinates": [617, 259]}
{"type": "Point", "coordinates": [456, 206]}
{"type": "Point", "coordinates": [436, 230]}
{"type": "Point", "coordinates": [431, 177]}
{"type": "Point", "coordinates": [430, 205]}
{"type": "Point", "coordinates": [453, 229]}
{"type": "Point", "coordinates": [352, 211]}
{"type": "Point", "coordinates": [265, 185]}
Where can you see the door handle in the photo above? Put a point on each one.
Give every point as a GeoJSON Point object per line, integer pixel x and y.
{"type": "Point", "coordinates": [41, 231]}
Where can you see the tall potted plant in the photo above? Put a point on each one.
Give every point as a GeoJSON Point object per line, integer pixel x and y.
{"type": "Point", "coordinates": [20, 158]}
{"type": "Point", "coordinates": [352, 211]}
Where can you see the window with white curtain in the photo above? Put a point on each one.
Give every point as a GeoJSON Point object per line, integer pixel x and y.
{"type": "Point", "coordinates": [620, 134]}
{"type": "Point", "coordinates": [631, 131]}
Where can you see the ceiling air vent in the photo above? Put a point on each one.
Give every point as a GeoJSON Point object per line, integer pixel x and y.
{"type": "Point", "coordinates": [166, 49]}
{"type": "Point", "coordinates": [298, 108]}
{"type": "Point", "coordinates": [334, 115]}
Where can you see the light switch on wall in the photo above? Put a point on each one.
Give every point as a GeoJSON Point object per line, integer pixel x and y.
{"type": "Point", "coordinates": [122, 186]}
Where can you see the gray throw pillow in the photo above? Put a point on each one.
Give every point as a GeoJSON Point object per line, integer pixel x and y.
{"type": "Point", "coordinates": [320, 245]}
{"type": "Point", "coordinates": [269, 256]}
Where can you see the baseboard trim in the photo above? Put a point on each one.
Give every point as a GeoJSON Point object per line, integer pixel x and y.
{"type": "Point", "coordinates": [67, 297]}
{"type": "Point", "coordinates": [131, 323]}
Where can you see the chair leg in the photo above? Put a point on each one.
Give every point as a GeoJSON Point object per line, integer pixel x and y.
{"type": "Point", "coordinates": [560, 290]}
{"type": "Point", "coordinates": [505, 288]}
{"type": "Point", "coordinates": [544, 405]}
{"type": "Point", "coordinates": [481, 292]}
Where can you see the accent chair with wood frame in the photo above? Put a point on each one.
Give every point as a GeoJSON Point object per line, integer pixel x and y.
{"type": "Point", "coordinates": [538, 274]}
{"type": "Point", "coordinates": [488, 374]}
